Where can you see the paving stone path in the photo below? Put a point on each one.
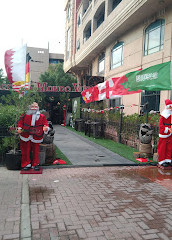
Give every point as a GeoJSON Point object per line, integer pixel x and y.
{"type": "Point", "coordinates": [99, 203]}
{"type": "Point", "coordinates": [90, 203]}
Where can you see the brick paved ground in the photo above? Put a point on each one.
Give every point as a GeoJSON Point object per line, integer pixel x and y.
{"type": "Point", "coordinates": [10, 204]}
{"type": "Point", "coordinates": [100, 203]}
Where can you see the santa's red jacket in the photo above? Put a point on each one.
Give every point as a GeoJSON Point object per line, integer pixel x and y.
{"type": "Point", "coordinates": [165, 123]}
{"type": "Point", "coordinates": [32, 126]}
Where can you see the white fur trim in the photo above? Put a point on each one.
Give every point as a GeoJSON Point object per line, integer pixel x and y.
{"type": "Point", "coordinates": [165, 161]}
{"type": "Point", "coordinates": [166, 130]}
{"type": "Point", "coordinates": [164, 136]}
{"type": "Point", "coordinates": [29, 165]}
{"type": "Point", "coordinates": [168, 106]}
{"type": "Point", "coordinates": [24, 139]}
{"type": "Point", "coordinates": [37, 141]}
{"type": "Point", "coordinates": [30, 138]}
{"type": "Point", "coordinates": [166, 113]}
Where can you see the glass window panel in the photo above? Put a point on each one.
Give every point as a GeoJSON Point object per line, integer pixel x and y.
{"type": "Point", "coordinates": [154, 38]}
{"type": "Point", "coordinates": [101, 65]}
{"type": "Point", "coordinates": [153, 50]}
{"type": "Point", "coordinates": [117, 56]}
{"type": "Point", "coordinates": [162, 35]}
{"type": "Point", "coordinates": [68, 44]}
{"type": "Point", "coordinates": [115, 102]}
{"type": "Point", "coordinates": [115, 3]}
{"type": "Point", "coordinates": [100, 20]}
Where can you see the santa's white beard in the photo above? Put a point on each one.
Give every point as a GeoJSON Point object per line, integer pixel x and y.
{"type": "Point", "coordinates": [31, 112]}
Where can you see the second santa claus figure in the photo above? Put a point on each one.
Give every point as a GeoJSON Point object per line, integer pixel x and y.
{"type": "Point", "coordinates": [165, 135]}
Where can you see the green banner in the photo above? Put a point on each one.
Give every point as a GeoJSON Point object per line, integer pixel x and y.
{"type": "Point", "coordinates": [155, 78]}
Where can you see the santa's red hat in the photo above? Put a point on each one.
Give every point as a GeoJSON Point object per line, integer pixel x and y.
{"type": "Point", "coordinates": [168, 103]}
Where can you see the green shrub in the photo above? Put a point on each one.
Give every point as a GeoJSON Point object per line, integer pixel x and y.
{"type": "Point", "coordinates": [8, 115]}
{"type": "Point", "coordinates": [11, 109]}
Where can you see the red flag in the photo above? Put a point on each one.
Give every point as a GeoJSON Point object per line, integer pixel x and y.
{"type": "Point", "coordinates": [105, 90]}
{"type": "Point", "coordinates": [90, 94]}
{"type": "Point", "coordinates": [15, 64]}
{"type": "Point", "coordinates": [110, 89]}
{"type": "Point", "coordinates": [8, 64]}
{"type": "Point", "coordinates": [120, 87]}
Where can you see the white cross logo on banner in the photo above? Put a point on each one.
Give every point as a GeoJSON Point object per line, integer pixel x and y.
{"type": "Point", "coordinates": [87, 95]}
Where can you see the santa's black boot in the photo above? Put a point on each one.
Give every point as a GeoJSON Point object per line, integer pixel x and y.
{"type": "Point", "coordinates": [165, 164]}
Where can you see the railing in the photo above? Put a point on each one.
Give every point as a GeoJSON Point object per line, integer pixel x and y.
{"type": "Point", "coordinates": [128, 134]}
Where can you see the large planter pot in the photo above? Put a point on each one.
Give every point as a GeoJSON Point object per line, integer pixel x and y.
{"type": "Point", "coordinates": [13, 160]}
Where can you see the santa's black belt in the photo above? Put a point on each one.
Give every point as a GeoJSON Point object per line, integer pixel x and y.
{"type": "Point", "coordinates": [167, 124]}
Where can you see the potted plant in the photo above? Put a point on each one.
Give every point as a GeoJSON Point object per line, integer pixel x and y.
{"type": "Point", "coordinates": [13, 153]}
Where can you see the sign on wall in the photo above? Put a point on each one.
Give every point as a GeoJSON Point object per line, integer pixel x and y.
{"type": "Point", "coordinates": [44, 87]}
{"type": "Point", "coordinates": [76, 107]}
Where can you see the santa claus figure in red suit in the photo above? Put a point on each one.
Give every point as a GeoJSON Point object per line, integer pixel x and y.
{"type": "Point", "coordinates": [31, 127]}
{"type": "Point", "coordinates": [165, 135]}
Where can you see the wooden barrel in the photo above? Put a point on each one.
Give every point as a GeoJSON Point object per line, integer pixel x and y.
{"type": "Point", "coordinates": [145, 148]}
{"type": "Point", "coordinates": [50, 153]}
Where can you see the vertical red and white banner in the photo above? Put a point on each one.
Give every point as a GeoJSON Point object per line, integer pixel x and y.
{"type": "Point", "coordinates": [15, 65]}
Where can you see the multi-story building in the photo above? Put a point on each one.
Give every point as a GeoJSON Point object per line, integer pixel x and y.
{"type": "Point", "coordinates": [40, 61]}
{"type": "Point", "coordinates": [110, 38]}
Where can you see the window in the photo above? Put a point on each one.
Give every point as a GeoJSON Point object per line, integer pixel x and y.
{"type": "Point", "coordinates": [117, 55]}
{"type": "Point", "coordinates": [154, 37]}
{"type": "Point", "coordinates": [99, 16]}
{"type": "Point", "coordinates": [101, 63]}
{"type": "Point", "coordinates": [90, 70]}
{"type": "Point", "coordinates": [153, 99]}
{"type": "Point", "coordinates": [68, 12]}
{"type": "Point", "coordinates": [78, 45]}
{"type": "Point", "coordinates": [86, 4]}
{"type": "Point", "coordinates": [115, 102]}
{"type": "Point", "coordinates": [87, 32]}
{"type": "Point", "coordinates": [100, 19]}
{"type": "Point", "coordinates": [68, 44]}
{"type": "Point", "coordinates": [79, 20]}
{"type": "Point", "coordinates": [115, 3]}
{"type": "Point", "coordinates": [55, 61]}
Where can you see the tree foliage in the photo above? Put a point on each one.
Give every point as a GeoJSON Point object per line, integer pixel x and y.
{"type": "Point", "coordinates": [55, 76]}
{"type": "Point", "coordinates": [3, 80]}
{"type": "Point", "coordinates": [21, 102]}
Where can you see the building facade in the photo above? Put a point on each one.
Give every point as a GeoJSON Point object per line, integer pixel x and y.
{"type": "Point", "coordinates": [40, 61]}
{"type": "Point", "coordinates": [109, 38]}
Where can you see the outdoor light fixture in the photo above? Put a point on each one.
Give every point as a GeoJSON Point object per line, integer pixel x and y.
{"type": "Point", "coordinates": [121, 107]}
